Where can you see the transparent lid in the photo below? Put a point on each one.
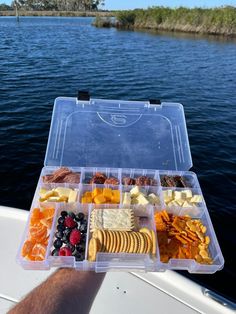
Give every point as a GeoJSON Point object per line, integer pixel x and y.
{"type": "Point", "coordinates": [119, 134]}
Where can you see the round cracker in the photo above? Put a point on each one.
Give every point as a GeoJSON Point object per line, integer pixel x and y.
{"type": "Point", "coordinates": [142, 243]}
{"type": "Point", "coordinates": [106, 241]}
{"type": "Point", "coordinates": [132, 243]}
{"type": "Point", "coordinates": [92, 249]}
{"type": "Point", "coordinates": [147, 231]}
{"type": "Point", "coordinates": [111, 241]}
{"type": "Point", "coordinates": [122, 239]}
{"type": "Point", "coordinates": [99, 236]}
{"type": "Point", "coordinates": [104, 237]}
{"type": "Point", "coordinates": [154, 243]}
{"type": "Point", "coordinates": [136, 238]}
{"type": "Point", "coordinates": [127, 242]}
{"type": "Point", "coordinates": [148, 243]}
{"type": "Point", "coordinates": [114, 244]}
{"type": "Point", "coordinates": [118, 242]}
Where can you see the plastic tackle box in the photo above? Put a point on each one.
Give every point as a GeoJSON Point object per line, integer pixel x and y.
{"type": "Point", "coordinates": [140, 151]}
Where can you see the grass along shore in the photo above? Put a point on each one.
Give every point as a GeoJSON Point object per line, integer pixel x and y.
{"type": "Point", "coordinates": [57, 13]}
{"type": "Point", "coordinates": [217, 21]}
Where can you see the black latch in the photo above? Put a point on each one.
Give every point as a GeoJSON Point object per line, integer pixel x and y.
{"type": "Point", "coordinates": [154, 101]}
{"type": "Point", "coordinates": [83, 95]}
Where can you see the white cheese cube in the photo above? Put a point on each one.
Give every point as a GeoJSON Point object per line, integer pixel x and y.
{"type": "Point", "coordinates": [42, 192]}
{"type": "Point", "coordinates": [72, 196]}
{"type": "Point", "coordinates": [142, 200]}
{"type": "Point", "coordinates": [180, 202]}
{"type": "Point", "coordinates": [173, 203]}
{"type": "Point", "coordinates": [168, 195]}
{"type": "Point", "coordinates": [187, 204]}
{"type": "Point", "coordinates": [63, 191]}
{"type": "Point", "coordinates": [135, 191]}
{"type": "Point", "coordinates": [177, 195]}
{"type": "Point", "coordinates": [126, 199]}
{"type": "Point", "coordinates": [196, 199]}
{"type": "Point", "coordinates": [153, 199]}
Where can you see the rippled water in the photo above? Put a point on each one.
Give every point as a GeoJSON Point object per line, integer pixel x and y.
{"type": "Point", "coordinates": [42, 58]}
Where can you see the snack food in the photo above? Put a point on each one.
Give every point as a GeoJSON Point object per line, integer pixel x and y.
{"type": "Point", "coordinates": [112, 219]}
{"type": "Point", "coordinates": [174, 181]}
{"type": "Point", "coordinates": [101, 196]}
{"type": "Point", "coordinates": [35, 246]}
{"type": "Point", "coordinates": [62, 175]}
{"type": "Point", "coordinates": [140, 242]}
{"type": "Point", "coordinates": [182, 237]}
{"type": "Point", "coordinates": [140, 181]}
{"type": "Point", "coordinates": [59, 194]}
{"type": "Point", "coordinates": [182, 198]}
{"type": "Point", "coordinates": [70, 237]}
{"type": "Point", "coordinates": [138, 196]}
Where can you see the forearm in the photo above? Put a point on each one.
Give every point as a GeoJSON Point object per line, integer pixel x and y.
{"type": "Point", "coordinates": [65, 291]}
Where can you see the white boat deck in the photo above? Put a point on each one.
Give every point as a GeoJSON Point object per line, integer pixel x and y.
{"type": "Point", "coordinates": [120, 292]}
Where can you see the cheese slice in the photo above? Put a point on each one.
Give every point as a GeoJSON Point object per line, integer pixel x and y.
{"type": "Point", "coordinates": [72, 196]}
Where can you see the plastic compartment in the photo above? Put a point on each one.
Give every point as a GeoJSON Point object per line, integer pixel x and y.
{"type": "Point", "coordinates": [127, 261]}
{"type": "Point", "coordinates": [37, 265]}
{"type": "Point", "coordinates": [88, 173]}
{"type": "Point", "coordinates": [123, 261]}
{"type": "Point", "coordinates": [146, 190]}
{"type": "Point", "coordinates": [91, 187]}
{"type": "Point", "coordinates": [189, 264]}
{"type": "Point", "coordinates": [49, 170]}
{"type": "Point", "coordinates": [69, 261]}
{"type": "Point", "coordinates": [184, 199]}
{"type": "Point", "coordinates": [189, 178]}
{"type": "Point", "coordinates": [133, 174]}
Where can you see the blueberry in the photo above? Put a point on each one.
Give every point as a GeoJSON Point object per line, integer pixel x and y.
{"type": "Point", "coordinates": [57, 243]}
{"type": "Point", "coordinates": [55, 252]}
{"type": "Point", "coordinates": [60, 227]}
{"type": "Point", "coordinates": [79, 217]}
{"type": "Point", "coordinates": [78, 224]}
{"type": "Point", "coordinates": [59, 234]}
{"type": "Point", "coordinates": [83, 228]}
{"type": "Point", "coordinates": [67, 232]}
{"type": "Point", "coordinates": [70, 246]}
{"type": "Point", "coordinates": [83, 237]}
{"type": "Point", "coordinates": [72, 215]}
{"type": "Point", "coordinates": [65, 239]}
{"type": "Point", "coordinates": [80, 247]}
{"type": "Point", "coordinates": [61, 220]}
{"type": "Point", "coordinates": [79, 257]}
{"type": "Point", "coordinates": [64, 213]}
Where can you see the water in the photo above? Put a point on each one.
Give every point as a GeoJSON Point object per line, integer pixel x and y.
{"type": "Point", "coordinates": [42, 58]}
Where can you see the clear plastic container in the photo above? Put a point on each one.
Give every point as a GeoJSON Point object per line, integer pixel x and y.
{"type": "Point", "coordinates": [145, 144]}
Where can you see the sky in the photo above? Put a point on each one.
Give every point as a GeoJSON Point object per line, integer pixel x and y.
{"type": "Point", "coordinates": [132, 4]}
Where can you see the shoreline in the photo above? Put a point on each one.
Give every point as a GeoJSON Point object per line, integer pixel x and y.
{"type": "Point", "coordinates": [58, 13]}
{"type": "Point", "coordinates": [218, 21]}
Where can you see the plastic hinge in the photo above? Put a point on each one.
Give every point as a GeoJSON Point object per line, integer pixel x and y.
{"type": "Point", "coordinates": [83, 95]}
{"type": "Point", "coordinates": [154, 101]}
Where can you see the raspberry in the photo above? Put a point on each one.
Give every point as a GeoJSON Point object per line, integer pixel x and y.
{"type": "Point", "coordinates": [75, 237]}
{"type": "Point", "coordinates": [69, 222]}
{"type": "Point", "coordinates": [65, 251]}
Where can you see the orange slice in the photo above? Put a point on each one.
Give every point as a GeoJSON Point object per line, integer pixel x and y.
{"type": "Point", "coordinates": [38, 231]}
{"type": "Point", "coordinates": [27, 248]}
{"type": "Point", "coordinates": [48, 212]}
{"type": "Point", "coordinates": [39, 251]}
{"type": "Point", "coordinates": [46, 222]}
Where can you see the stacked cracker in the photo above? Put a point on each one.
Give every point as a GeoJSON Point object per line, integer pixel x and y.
{"type": "Point", "coordinates": [112, 232]}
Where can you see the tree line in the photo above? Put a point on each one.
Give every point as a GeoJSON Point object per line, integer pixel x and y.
{"type": "Point", "coordinates": [57, 5]}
